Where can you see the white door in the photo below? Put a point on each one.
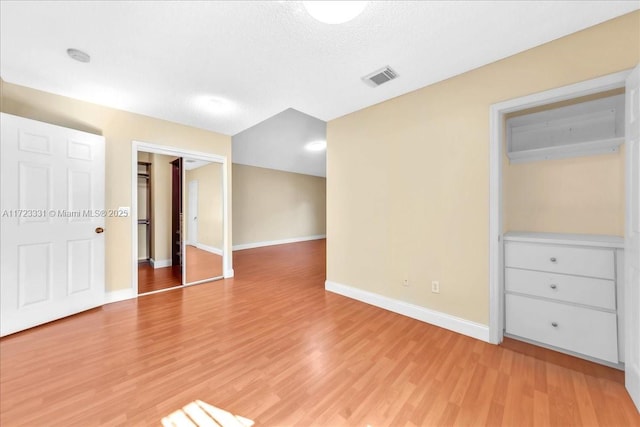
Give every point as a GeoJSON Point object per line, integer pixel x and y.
{"type": "Point", "coordinates": [193, 213]}
{"type": "Point", "coordinates": [632, 237]}
{"type": "Point", "coordinates": [52, 217]}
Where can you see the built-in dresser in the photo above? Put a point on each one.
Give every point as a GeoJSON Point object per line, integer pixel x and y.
{"type": "Point", "coordinates": [564, 291]}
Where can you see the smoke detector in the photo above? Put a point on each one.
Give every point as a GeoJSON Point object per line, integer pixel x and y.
{"type": "Point", "coordinates": [380, 76]}
{"type": "Point", "coordinates": [78, 55]}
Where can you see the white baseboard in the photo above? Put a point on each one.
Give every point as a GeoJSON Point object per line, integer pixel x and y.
{"type": "Point", "coordinates": [119, 295]}
{"type": "Point", "coordinates": [443, 320]}
{"type": "Point", "coordinates": [161, 263]}
{"type": "Point", "coordinates": [229, 273]}
{"type": "Point", "coordinates": [278, 242]}
{"type": "Point", "coordinates": [632, 383]}
{"type": "Point", "coordinates": [207, 248]}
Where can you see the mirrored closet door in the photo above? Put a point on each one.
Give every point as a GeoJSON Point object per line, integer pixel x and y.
{"type": "Point", "coordinates": [181, 221]}
{"type": "Point", "coordinates": [202, 221]}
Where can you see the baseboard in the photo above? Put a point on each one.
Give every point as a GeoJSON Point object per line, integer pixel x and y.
{"type": "Point", "coordinates": [443, 320]}
{"type": "Point", "coordinates": [228, 273]}
{"type": "Point", "coordinates": [632, 383]}
{"type": "Point", "coordinates": [119, 295]}
{"type": "Point", "coordinates": [278, 242]}
{"type": "Point", "coordinates": [161, 263]}
{"type": "Point", "coordinates": [207, 248]}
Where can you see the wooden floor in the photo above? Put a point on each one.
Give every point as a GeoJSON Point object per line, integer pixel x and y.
{"type": "Point", "coordinates": [154, 279]}
{"type": "Point", "coordinates": [272, 346]}
{"type": "Point", "coordinates": [201, 265]}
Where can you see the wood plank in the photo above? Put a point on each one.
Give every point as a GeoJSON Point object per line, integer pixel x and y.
{"type": "Point", "coordinates": [271, 345]}
{"type": "Point", "coordinates": [201, 265]}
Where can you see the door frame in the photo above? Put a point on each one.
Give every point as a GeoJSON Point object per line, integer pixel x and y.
{"type": "Point", "coordinates": [497, 113]}
{"type": "Point", "coordinates": [149, 147]}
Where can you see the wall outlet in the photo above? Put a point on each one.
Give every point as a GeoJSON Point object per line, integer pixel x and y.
{"type": "Point", "coordinates": [435, 287]}
{"type": "Point", "coordinates": [405, 283]}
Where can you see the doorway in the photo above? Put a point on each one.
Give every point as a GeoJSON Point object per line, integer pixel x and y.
{"type": "Point", "coordinates": [498, 113]}
{"type": "Point", "coordinates": [179, 254]}
{"type": "Point", "coordinates": [159, 207]}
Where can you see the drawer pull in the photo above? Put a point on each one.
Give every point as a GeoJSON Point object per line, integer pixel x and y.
{"type": "Point", "coordinates": [554, 324]}
{"type": "Point", "coordinates": [553, 286]}
{"type": "Point", "coordinates": [553, 259]}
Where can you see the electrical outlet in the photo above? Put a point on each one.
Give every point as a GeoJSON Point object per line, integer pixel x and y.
{"type": "Point", "coordinates": [435, 287]}
{"type": "Point", "coordinates": [405, 283]}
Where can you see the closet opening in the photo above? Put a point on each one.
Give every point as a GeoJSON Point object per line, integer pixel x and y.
{"type": "Point", "coordinates": [557, 220]}
{"type": "Point", "coordinates": [181, 235]}
{"type": "Point", "coordinates": [563, 226]}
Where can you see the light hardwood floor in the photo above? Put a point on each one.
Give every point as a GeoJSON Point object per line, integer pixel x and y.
{"type": "Point", "coordinates": [154, 279]}
{"type": "Point", "coordinates": [271, 345]}
{"type": "Point", "coordinates": [201, 265]}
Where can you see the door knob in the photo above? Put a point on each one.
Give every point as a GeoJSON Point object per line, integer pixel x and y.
{"type": "Point", "coordinates": [99, 230]}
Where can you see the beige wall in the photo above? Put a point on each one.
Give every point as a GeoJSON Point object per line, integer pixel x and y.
{"type": "Point", "coordinates": [210, 200]}
{"type": "Point", "coordinates": [408, 179]}
{"type": "Point", "coordinates": [273, 205]}
{"type": "Point", "coordinates": [161, 186]}
{"type": "Point", "coordinates": [119, 128]}
{"type": "Point", "coordinates": [576, 195]}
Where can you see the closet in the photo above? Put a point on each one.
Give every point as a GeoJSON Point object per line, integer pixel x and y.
{"type": "Point", "coordinates": [144, 211]}
{"type": "Point", "coordinates": [563, 210]}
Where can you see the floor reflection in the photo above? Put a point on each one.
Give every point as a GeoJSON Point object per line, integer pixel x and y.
{"type": "Point", "coordinates": [202, 265]}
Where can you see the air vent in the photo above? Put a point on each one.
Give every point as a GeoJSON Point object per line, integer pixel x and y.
{"type": "Point", "coordinates": [380, 76]}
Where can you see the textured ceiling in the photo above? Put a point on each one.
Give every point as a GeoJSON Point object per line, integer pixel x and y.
{"type": "Point", "coordinates": [166, 59]}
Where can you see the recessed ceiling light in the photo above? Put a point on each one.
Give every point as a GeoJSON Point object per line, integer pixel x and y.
{"type": "Point", "coordinates": [318, 145]}
{"type": "Point", "coordinates": [334, 12]}
{"type": "Point", "coordinates": [78, 55]}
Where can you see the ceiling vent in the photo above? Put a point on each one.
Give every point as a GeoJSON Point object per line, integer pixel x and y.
{"type": "Point", "coordinates": [380, 76]}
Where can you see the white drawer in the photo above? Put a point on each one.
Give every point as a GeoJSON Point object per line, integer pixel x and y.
{"type": "Point", "coordinates": [592, 262]}
{"type": "Point", "coordinates": [580, 290]}
{"type": "Point", "coordinates": [581, 330]}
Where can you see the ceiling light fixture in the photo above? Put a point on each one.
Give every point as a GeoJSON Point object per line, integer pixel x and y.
{"type": "Point", "coordinates": [334, 12]}
{"type": "Point", "coordinates": [78, 55]}
{"type": "Point", "coordinates": [318, 145]}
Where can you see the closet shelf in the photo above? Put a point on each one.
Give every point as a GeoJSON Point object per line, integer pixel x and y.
{"type": "Point", "coordinates": [581, 129]}
{"type": "Point", "coordinates": [569, 150]}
